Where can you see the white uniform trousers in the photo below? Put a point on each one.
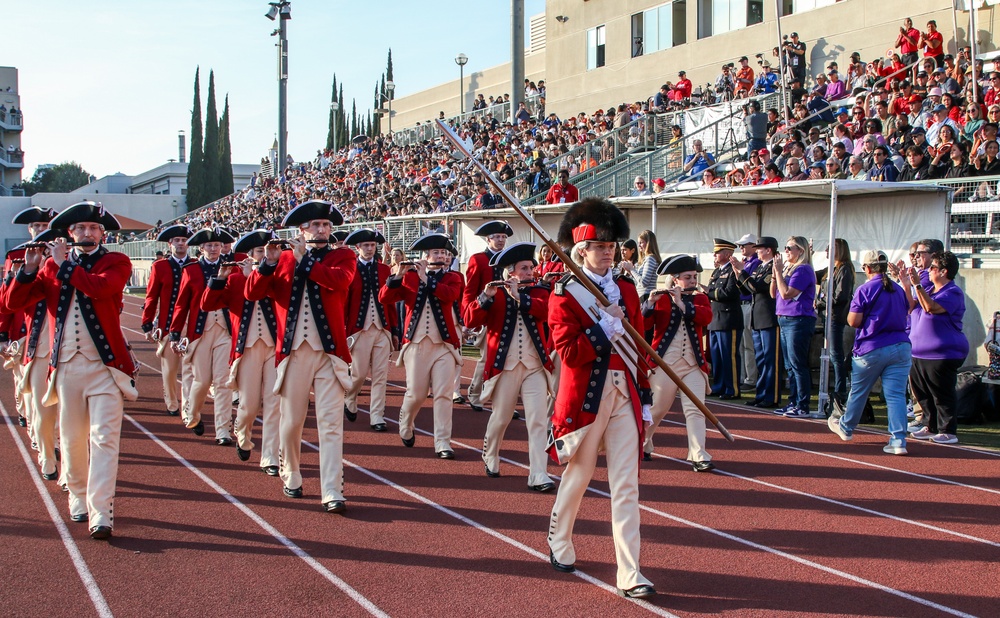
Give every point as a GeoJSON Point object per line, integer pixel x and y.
{"type": "Point", "coordinates": [174, 392]}
{"type": "Point", "coordinates": [21, 402]}
{"type": "Point", "coordinates": [749, 356]}
{"type": "Point", "coordinates": [210, 367]}
{"type": "Point", "coordinates": [476, 383]}
{"type": "Point", "coordinates": [370, 355]}
{"type": "Point", "coordinates": [430, 366]}
{"type": "Point", "coordinates": [44, 419]}
{"type": "Point", "coordinates": [90, 422]}
{"type": "Point", "coordinates": [532, 386]}
{"type": "Point", "coordinates": [311, 369]}
{"type": "Point", "coordinates": [616, 432]}
{"type": "Point", "coordinates": [255, 384]}
{"type": "Point", "coordinates": [664, 393]}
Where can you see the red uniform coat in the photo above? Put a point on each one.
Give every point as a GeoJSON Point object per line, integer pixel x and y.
{"type": "Point", "coordinates": [12, 326]}
{"type": "Point", "coordinates": [188, 309]}
{"type": "Point", "coordinates": [100, 279]}
{"type": "Point", "coordinates": [324, 274]}
{"type": "Point", "coordinates": [445, 288]}
{"type": "Point", "coordinates": [231, 295]}
{"type": "Point", "coordinates": [162, 292]}
{"type": "Point", "coordinates": [354, 296]}
{"type": "Point", "coordinates": [586, 354]}
{"type": "Point", "coordinates": [477, 274]}
{"type": "Point", "coordinates": [665, 319]}
{"type": "Point", "coordinates": [499, 316]}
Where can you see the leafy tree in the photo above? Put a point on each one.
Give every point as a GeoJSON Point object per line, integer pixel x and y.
{"type": "Point", "coordinates": [226, 186]}
{"type": "Point", "coordinates": [212, 190]}
{"type": "Point", "coordinates": [196, 162]}
{"type": "Point", "coordinates": [61, 178]}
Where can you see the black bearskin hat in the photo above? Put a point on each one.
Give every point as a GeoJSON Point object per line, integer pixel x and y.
{"type": "Point", "coordinates": [597, 219]}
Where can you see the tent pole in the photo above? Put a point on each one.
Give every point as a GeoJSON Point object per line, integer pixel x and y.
{"type": "Point", "coordinates": [824, 357]}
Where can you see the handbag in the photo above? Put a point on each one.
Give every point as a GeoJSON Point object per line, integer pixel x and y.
{"type": "Point", "coordinates": [993, 349]}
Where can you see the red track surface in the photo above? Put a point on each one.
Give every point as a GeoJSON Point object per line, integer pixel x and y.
{"type": "Point", "coordinates": [794, 522]}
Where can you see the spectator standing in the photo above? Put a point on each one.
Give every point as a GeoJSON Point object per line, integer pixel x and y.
{"type": "Point", "coordinates": [881, 350]}
{"type": "Point", "coordinates": [682, 89]}
{"type": "Point", "coordinates": [539, 180]}
{"type": "Point", "coordinates": [908, 42]}
{"type": "Point", "coordinates": [744, 78]}
{"type": "Point", "coordinates": [933, 44]}
{"type": "Point", "coordinates": [756, 125]}
{"type": "Point", "coordinates": [648, 261]}
{"type": "Point", "coordinates": [939, 346]}
{"type": "Point", "coordinates": [562, 192]}
{"type": "Point", "coordinates": [838, 305]}
{"type": "Point", "coordinates": [796, 51]}
{"type": "Point", "coordinates": [794, 289]}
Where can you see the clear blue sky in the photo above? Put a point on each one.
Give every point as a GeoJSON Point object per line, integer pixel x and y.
{"type": "Point", "coordinates": [109, 83]}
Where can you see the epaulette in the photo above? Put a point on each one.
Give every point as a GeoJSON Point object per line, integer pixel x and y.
{"type": "Point", "coordinates": [560, 287]}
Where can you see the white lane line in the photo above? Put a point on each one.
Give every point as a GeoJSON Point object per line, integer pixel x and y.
{"type": "Point", "coordinates": [260, 521]}
{"type": "Point", "coordinates": [89, 583]}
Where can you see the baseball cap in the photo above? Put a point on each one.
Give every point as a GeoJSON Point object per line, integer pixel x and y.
{"type": "Point", "coordinates": [874, 257]}
{"type": "Point", "coordinates": [742, 58]}
{"type": "Point", "coordinates": [939, 108]}
{"type": "Point", "coordinates": [917, 130]}
{"type": "Point", "coordinates": [796, 35]}
{"type": "Point", "coordinates": [915, 98]}
{"type": "Point", "coordinates": [763, 151]}
{"type": "Point", "coordinates": [818, 165]}
{"type": "Point", "coordinates": [921, 73]}
{"type": "Point", "coordinates": [659, 182]}
{"type": "Point", "coordinates": [843, 110]}
{"type": "Point", "coordinates": [747, 239]}
{"type": "Point", "coordinates": [681, 73]}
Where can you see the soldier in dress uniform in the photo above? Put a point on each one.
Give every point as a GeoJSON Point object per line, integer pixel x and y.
{"type": "Point", "coordinates": [514, 312]}
{"type": "Point", "coordinates": [432, 349]}
{"type": "Point", "coordinates": [603, 398]}
{"type": "Point", "coordinates": [251, 371]}
{"type": "Point", "coordinates": [91, 369]}
{"type": "Point", "coordinates": [477, 274]}
{"type": "Point", "coordinates": [764, 324]}
{"type": "Point", "coordinates": [208, 335]}
{"type": "Point", "coordinates": [162, 292]}
{"type": "Point", "coordinates": [308, 285]}
{"type": "Point", "coordinates": [678, 314]}
{"type": "Point", "coordinates": [369, 328]}
{"type": "Point", "coordinates": [727, 323]}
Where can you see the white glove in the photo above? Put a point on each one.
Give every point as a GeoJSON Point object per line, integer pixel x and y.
{"type": "Point", "coordinates": [612, 326]}
{"type": "Point", "coordinates": [647, 414]}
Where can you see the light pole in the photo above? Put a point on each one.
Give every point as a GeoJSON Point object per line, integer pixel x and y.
{"type": "Point", "coordinates": [461, 60]}
{"type": "Point", "coordinates": [282, 11]}
{"type": "Point", "coordinates": [389, 87]}
{"type": "Point", "coordinates": [334, 108]}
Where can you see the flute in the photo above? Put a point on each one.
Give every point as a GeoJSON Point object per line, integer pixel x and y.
{"type": "Point", "coordinates": [44, 245]}
{"type": "Point", "coordinates": [502, 284]}
{"type": "Point", "coordinates": [285, 244]}
{"type": "Point", "coordinates": [429, 264]}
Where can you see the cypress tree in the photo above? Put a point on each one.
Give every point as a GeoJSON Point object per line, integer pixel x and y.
{"type": "Point", "coordinates": [380, 102]}
{"type": "Point", "coordinates": [354, 118]}
{"type": "Point", "coordinates": [388, 67]}
{"type": "Point", "coordinates": [333, 122]}
{"type": "Point", "coordinates": [226, 186]}
{"type": "Point", "coordinates": [211, 144]}
{"type": "Point", "coordinates": [342, 135]}
{"type": "Point", "coordinates": [196, 164]}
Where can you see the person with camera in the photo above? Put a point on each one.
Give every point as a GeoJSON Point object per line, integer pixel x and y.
{"type": "Point", "coordinates": [756, 125]}
{"type": "Point", "coordinates": [767, 82]}
{"type": "Point", "coordinates": [795, 54]}
{"type": "Point", "coordinates": [744, 79]}
{"type": "Point", "coordinates": [725, 85]}
{"type": "Point", "coordinates": [698, 161]}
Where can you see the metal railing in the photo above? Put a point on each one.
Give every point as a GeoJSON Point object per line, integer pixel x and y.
{"type": "Point", "coordinates": [429, 131]}
{"type": "Point", "coordinates": [11, 121]}
{"type": "Point", "coordinates": [12, 159]}
{"type": "Point", "coordinates": [6, 191]}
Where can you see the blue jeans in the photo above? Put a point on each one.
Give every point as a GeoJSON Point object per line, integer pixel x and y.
{"type": "Point", "coordinates": [892, 364]}
{"type": "Point", "coordinates": [754, 144]}
{"type": "Point", "coordinates": [838, 360]}
{"type": "Point", "coordinates": [796, 335]}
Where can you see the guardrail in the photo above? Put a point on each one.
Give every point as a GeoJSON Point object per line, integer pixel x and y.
{"type": "Point", "coordinates": [499, 111]}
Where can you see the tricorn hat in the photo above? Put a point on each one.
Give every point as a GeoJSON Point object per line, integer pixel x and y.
{"type": "Point", "coordinates": [677, 264]}
{"type": "Point", "coordinates": [252, 240]}
{"type": "Point", "coordinates": [174, 231]}
{"type": "Point", "coordinates": [310, 211]}
{"type": "Point", "coordinates": [34, 215]}
{"type": "Point", "coordinates": [86, 212]}
{"type": "Point", "coordinates": [361, 235]}
{"type": "Point", "coordinates": [433, 241]}
{"type": "Point", "coordinates": [592, 219]}
{"type": "Point", "coordinates": [211, 234]}
{"type": "Point", "coordinates": [494, 227]}
{"type": "Point", "coordinates": [50, 234]}
{"type": "Point", "coordinates": [518, 252]}
{"type": "Point", "coordinates": [340, 235]}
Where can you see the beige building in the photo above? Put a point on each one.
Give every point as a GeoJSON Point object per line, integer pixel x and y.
{"type": "Point", "coordinates": [596, 53]}
{"type": "Point", "coordinates": [11, 125]}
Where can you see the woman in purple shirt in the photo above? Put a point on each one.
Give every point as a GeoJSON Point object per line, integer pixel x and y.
{"type": "Point", "coordinates": [881, 350]}
{"type": "Point", "coordinates": [939, 347]}
{"type": "Point", "coordinates": [794, 289]}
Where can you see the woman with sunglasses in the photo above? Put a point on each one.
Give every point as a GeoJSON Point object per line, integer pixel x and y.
{"type": "Point", "coordinates": [794, 289]}
{"type": "Point", "coordinates": [971, 122]}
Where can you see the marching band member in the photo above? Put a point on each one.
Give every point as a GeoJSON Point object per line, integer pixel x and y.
{"type": "Point", "coordinates": [252, 370]}
{"type": "Point", "coordinates": [91, 366]}
{"type": "Point", "coordinates": [603, 393]}
{"type": "Point", "coordinates": [678, 315]}
{"type": "Point", "coordinates": [162, 292]}
{"type": "Point", "coordinates": [208, 335]}
{"type": "Point", "coordinates": [517, 359]}
{"type": "Point", "coordinates": [308, 285]}
{"type": "Point", "coordinates": [369, 328]}
{"type": "Point", "coordinates": [432, 349]}
{"type": "Point", "coordinates": [477, 274]}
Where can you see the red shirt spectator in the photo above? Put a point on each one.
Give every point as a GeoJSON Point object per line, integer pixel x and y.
{"type": "Point", "coordinates": [933, 43]}
{"type": "Point", "coordinates": [744, 77]}
{"type": "Point", "coordinates": [682, 89]}
{"type": "Point", "coordinates": [562, 192]}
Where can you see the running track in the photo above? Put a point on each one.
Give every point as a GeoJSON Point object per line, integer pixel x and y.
{"type": "Point", "coordinates": [793, 522]}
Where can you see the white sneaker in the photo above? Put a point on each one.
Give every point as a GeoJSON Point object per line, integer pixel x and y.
{"type": "Point", "coordinates": [923, 434]}
{"type": "Point", "coordinates": [816, 415]}
{"type": "Point", "coordinates": [943, 438]}
{"type": "Point", "coordinates": [914, 428]}
{"type": "Point", "coordinates": [910, 415]}
{"type": "Point", "coordinates": [894, 449]}
{"type": "Point", "coordinates": [834, 425]}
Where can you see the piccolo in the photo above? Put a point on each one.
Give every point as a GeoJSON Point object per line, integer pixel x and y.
{"type": "Point", "coordinates": [44, 245]}
{"type": "Point", "coordinates": [285, 243]}
{"type": "Point", "coordinates": [429, 264]}
{"type": "Point", "coordinates": [683, 290]}
{"type": "Point", "coordinates": [230, 264]}
{"type": "Point", "coordinates": [503, 284]}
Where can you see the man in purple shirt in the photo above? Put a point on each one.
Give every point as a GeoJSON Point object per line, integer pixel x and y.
{"type": "Point", "coordinates": [881, 350]}
{"type": "Point", "coordinates": [748, 247]}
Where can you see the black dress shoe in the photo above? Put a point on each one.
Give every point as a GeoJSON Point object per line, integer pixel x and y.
{"type": "Point", "coordinates": [728, 397]}
{"type": "Point", "coordinates": [50, 477]}
{"type": "Point", "coordinates": [647, 457]}
{"type": "Point", "coordinates": [293, 493]}
{"type": "Point", "coordinates": [57, 454]}
{"type": "Point", "coordinates": [559, 566]}
{"type": "Point", "coordinates": [768, 406]}
{"type": "Point", "coordinates": [224, 441]}
{"type": "Point", "coordinates": [100, 533]}
{"type": "Point", "coordinates": [82, 517]}
{"type": "Point", "coordinates": [243, 455]}
{"type": "Point", "coordinates": [516, 416]}
{"type": "Point", "coordinates": [23, 422]}
{"type": "Point", "coordinates": [476, 407]}
{"type": "Point", "coordinates": [491, 474]}
{"type": "Point", "coordinates": [458, 399]}
{"type": "Point", "coordinates": [199, 429]}
{"type": "Point", "coordinates": [543, 487]}
{"type": "Point", "coordinates": [335, 506]}
{"type": "Point", "coordinates": [350, 416]}
{"type": "Point", "coordinates": [703, 466]}
{"type": "Point", "coordinates": [753, 404]}
{"type": "Point", "coordinates": [379, 427]}
{"type": "Point", "coordinates": [446, 454]}
{"type": "Point", "coordinates": [173, 412]}
{"type": "Point", "coordinates": [270, 470]}
{"type": "Point", "coordinates": [639, 592]}
{"type": "Point", "coordinates": [409, 442]}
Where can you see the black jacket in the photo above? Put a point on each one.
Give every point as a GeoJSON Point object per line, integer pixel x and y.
{"type": "Point", "coordinates": [724, 292]}
{"type": "Point", "coordinates": [764, 313]}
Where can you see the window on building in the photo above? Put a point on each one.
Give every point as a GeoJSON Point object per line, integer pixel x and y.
{"type": "Point", "coordinates": [658, 28]}
{"type": "Point", "coordinates": [718, 16]}
{"type": "Point", "coordinates": [789, 7]}
{"type": "Point", "coordinates": [595, 47]}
